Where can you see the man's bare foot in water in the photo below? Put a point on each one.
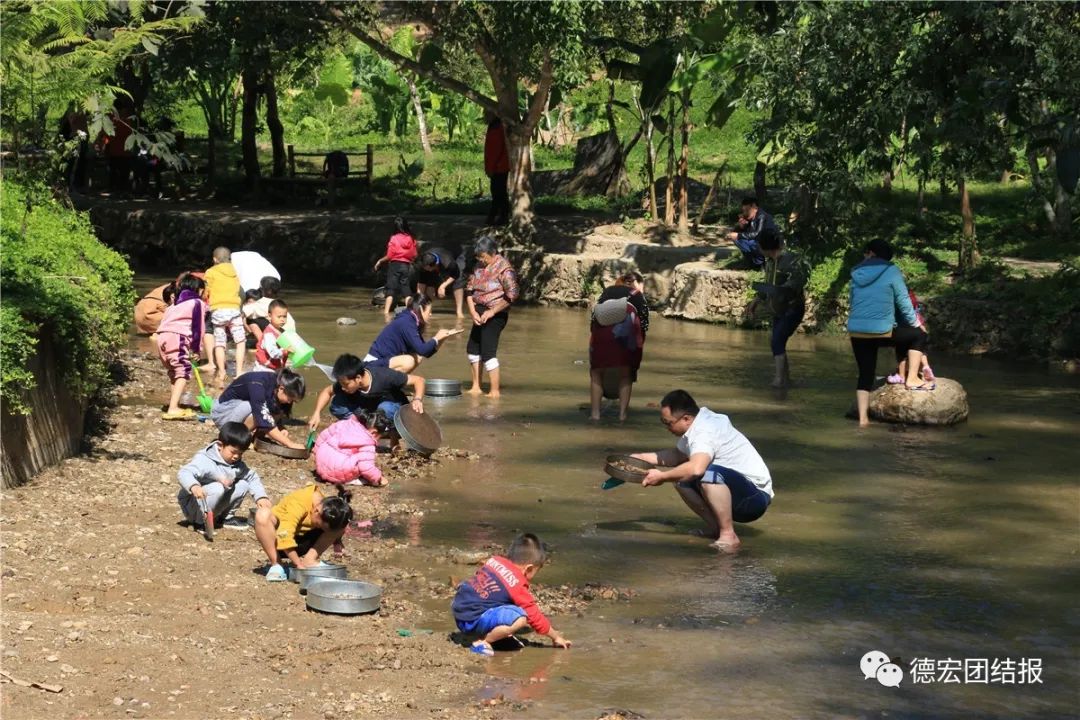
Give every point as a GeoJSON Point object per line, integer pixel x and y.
{"type": "Point", "coordinates": [493, 395]}
{"type": "Point", "coordinates": [474, 390]}
{"type": "Point", "coordinates": [705, 533]}
{"type": "Point", "coordinates": [726, 542]}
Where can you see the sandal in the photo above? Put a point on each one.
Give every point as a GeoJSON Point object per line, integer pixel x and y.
{"type": "Point", "coordinates": [182, 414]}
{"type": "Point", "coordinates": [926, 386]}
{"type": "Point", "coordinates": [928, 374]}
{"type": "Point", "coordinates": [894, 379]}
{"type": "Point", "coordinates": [481, 648]}
{"type": "Point", "coordinates": [276, 573]}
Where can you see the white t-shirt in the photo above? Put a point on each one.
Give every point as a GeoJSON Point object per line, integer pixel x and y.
{"type": "Point", "coordinates": [714, 435]}
{"type": "Point", "coordinates": [261, 309]}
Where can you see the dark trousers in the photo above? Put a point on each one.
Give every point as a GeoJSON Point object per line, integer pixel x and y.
{"type": "Point", "coordinates": [499, 214]}
{"type": "Point", "coordinates": [904, 338]}
{"type": "Point", "coordinates": [484, 339]}
{"type": "Point", "coordinates": [784, 326]}
{"type": "Point", "coordinates": [120, 174]}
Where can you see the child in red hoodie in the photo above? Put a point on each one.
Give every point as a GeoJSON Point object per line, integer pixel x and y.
{"type": "Point", "coordinates": [400, 253]}
{"type": "Point", "coordinates": [497, 603]}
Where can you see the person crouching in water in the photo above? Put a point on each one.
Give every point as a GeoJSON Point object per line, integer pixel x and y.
{"type": "Point", "coordinates": [497, 603]}
{"type": "Point", "coordinates": [301, 527]}
{"type": "Point", "coordinates": [345, 451]}
{"type": "Point", "coordinates": [401, 345]}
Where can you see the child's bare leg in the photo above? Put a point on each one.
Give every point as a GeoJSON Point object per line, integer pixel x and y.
{"type": "Point", "coordinates": [219, 360]}
{"type": "Point", "coordinates": [459, 300]}
{"type": "Point", "coordinates": [389, 305]}
{"type": "Point", "coordinates": [241, 350]}
{"type": "Point", "coordinates": [914, 365]}
{"type": "Point", "coordinates": [177, 391]}
{"type": "Point", "coordinates": [266, 532]}
{"type": "Point", "coordinates": [504, 631]}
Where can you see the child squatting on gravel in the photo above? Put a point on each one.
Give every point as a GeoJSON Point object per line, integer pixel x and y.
{"type": "Point", "coordinates": [497, 603]}
{"type": "Point", "coordinates": [302, 526]}
{"type": "Point", "coordinates": [216, 480]}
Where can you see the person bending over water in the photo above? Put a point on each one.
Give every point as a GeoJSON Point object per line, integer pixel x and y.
{"type": "Point", "coordinates": [492, 288]}
{"type": "Point", "coordinates": [401, 345]}
{"type": "Point", "coordinates": [717, 472]}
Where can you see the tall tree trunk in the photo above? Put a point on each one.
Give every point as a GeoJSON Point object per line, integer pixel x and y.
{"type": "Point", "coordinates": [669, 189]}
{"type": "Point", "coordinates": [684, 167]}
{"type": "Point", "coordinates": [418, 108]}
{"type": "Point", "coordinates": [759, 180]}
{"type": "Point", "coordinates": [273, 124]}
{"type": "Point", "coordinates": [920, 197]}
{"type": "Point", "coordinates": [248, 120]}
{"type": "Point", "coordinates": [211, 155]}
{"type": "Point", "coordinates": [969, 249]}
{"type": "Point", "coordinates": [518, 147]}
{"type": "Point", "coordinates": [1037, 183]}
{"type": "Point", "coordinates": [650, 168]}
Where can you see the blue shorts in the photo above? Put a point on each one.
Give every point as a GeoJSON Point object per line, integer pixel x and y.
{"type": "Point", "coordinates": [748, 501]}
{"type": "Point", "coordinates": [342, 407]}
{"type": "Point", "coordinates": [491, 619]}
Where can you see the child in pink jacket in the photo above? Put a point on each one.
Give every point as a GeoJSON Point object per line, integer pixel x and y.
{"type": "Point", "coordinates": [345, 451]}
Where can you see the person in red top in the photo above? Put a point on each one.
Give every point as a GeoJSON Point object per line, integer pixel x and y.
{"type": "Point", "coordinates": [497, 168]}
{"type": "Point", "coordinates": [497, 602]}
{"type": "Point", "coordinates": [118, 155]}
{"type": "Point", "coordinates": [400, 253]}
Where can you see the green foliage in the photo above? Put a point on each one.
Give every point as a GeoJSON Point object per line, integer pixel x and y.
{"type": "Point", "coordinates": [60, 283]}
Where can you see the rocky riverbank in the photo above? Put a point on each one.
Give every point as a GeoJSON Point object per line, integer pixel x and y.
{"type": "Point", "coordinates": [107, 596]}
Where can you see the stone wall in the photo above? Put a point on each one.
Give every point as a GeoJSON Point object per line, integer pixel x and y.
{"type": "Point", "coordinates": [51, 432]}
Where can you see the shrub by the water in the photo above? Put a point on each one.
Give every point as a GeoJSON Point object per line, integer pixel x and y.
{"type": "Point", "coordinates": [61, 284]}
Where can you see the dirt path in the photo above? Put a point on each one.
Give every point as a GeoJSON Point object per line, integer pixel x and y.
{"type": "Point", "coordinates": [136, 615]}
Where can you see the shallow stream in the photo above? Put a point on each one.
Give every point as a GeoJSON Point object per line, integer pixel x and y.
{"type": "Point", "coordinates": [945, 544]}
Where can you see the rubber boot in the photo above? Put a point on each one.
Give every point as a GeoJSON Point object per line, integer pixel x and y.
{"type": "Point", "coordinates": [780, 376]}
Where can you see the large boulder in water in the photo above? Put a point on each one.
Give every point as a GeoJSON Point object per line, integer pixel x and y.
{"type": "Point", "coordinates": [946, 404]}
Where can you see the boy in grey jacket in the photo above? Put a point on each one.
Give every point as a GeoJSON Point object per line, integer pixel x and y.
{"type": "Point", "coordinates": [218, 480]}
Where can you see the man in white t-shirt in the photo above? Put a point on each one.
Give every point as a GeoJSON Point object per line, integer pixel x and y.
{"type": "Point", "coordinates": [717, 472]}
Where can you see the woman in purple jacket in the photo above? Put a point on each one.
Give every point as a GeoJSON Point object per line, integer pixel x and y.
{"type": "Point", "coordinates": [401, 345]}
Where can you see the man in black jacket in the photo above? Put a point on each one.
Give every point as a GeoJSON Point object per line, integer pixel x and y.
{"type": "Point", "coordinates": [752, 222]}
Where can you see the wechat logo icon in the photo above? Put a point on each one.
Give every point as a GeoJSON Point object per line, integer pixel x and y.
{"type": "Point", "coordinates": [876, 664]}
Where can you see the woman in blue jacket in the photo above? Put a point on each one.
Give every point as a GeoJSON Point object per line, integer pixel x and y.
{"type": "Point", "coordinates": [879, 298]}
{"type": "Point", "coordinates": [401, 345]}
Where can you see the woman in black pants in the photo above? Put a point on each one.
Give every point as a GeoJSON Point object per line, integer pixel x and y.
{"type": "Point", "coordinates": [491, 289]}
{"type": "Point", "coordinates": [879, 298]}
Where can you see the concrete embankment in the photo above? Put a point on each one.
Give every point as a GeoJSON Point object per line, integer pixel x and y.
{"type": "Point", "coordinates": [571, 261]}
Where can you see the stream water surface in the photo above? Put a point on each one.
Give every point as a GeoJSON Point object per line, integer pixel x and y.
{"type": "Point", "coordinates": [945, 544]}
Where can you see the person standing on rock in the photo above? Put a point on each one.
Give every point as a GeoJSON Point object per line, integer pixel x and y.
{"type": "Point", "coordinates": [491, 289]}
{"type": "Point", "coordinates": [717, 472]}
{"type": "Point", "coordinates": [497, 168]}
{"type": "Point", "coordinates": [878, 297]}
{"type": "Point", "coordinates": [783, 292]}
{"type": "Point", "coordinates": [752, 222]}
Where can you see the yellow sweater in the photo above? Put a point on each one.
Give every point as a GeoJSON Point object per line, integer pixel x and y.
{"type": "Point", "coordinates": [224, 287]}
{"type": "Point", "coordinates": [293, 513]}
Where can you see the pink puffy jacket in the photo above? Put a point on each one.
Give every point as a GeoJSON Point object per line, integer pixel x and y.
{"type": "Point", "coordinates": [346, 451]}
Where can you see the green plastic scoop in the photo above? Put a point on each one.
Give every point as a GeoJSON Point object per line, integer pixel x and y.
{"type": "Point", "coordinates": [206, 403]}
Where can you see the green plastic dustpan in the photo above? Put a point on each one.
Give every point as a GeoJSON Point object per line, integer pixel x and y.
{"type": "Point", "coordinates": [206, 403]}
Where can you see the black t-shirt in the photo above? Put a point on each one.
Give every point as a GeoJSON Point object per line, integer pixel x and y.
{"type": "Point", "coordinates": [386, 384]}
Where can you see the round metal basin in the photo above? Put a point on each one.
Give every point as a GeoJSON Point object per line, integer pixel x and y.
{"type": "Point", "coordinates": [324, 571]}
{"type": "Point", "coordinates": [442, 388]}
{"type": "Point", "coordinates": [344, 597]}
{"type": "Point", "coordinates": [420, 431]}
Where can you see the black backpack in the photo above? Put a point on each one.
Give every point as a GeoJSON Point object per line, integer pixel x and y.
{"type": "Point", "coordinates": [336, 165]}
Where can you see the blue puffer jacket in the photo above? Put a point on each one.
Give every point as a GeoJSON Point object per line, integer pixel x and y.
{"type": "Point", "coordinates": [878, 297]}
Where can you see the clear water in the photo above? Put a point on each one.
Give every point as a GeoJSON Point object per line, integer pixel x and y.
{"type": "Point", "coordinates": [933, 543]}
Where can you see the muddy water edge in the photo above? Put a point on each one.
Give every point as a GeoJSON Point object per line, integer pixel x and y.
{"type": "Point", "coordinates": [955, 543]}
